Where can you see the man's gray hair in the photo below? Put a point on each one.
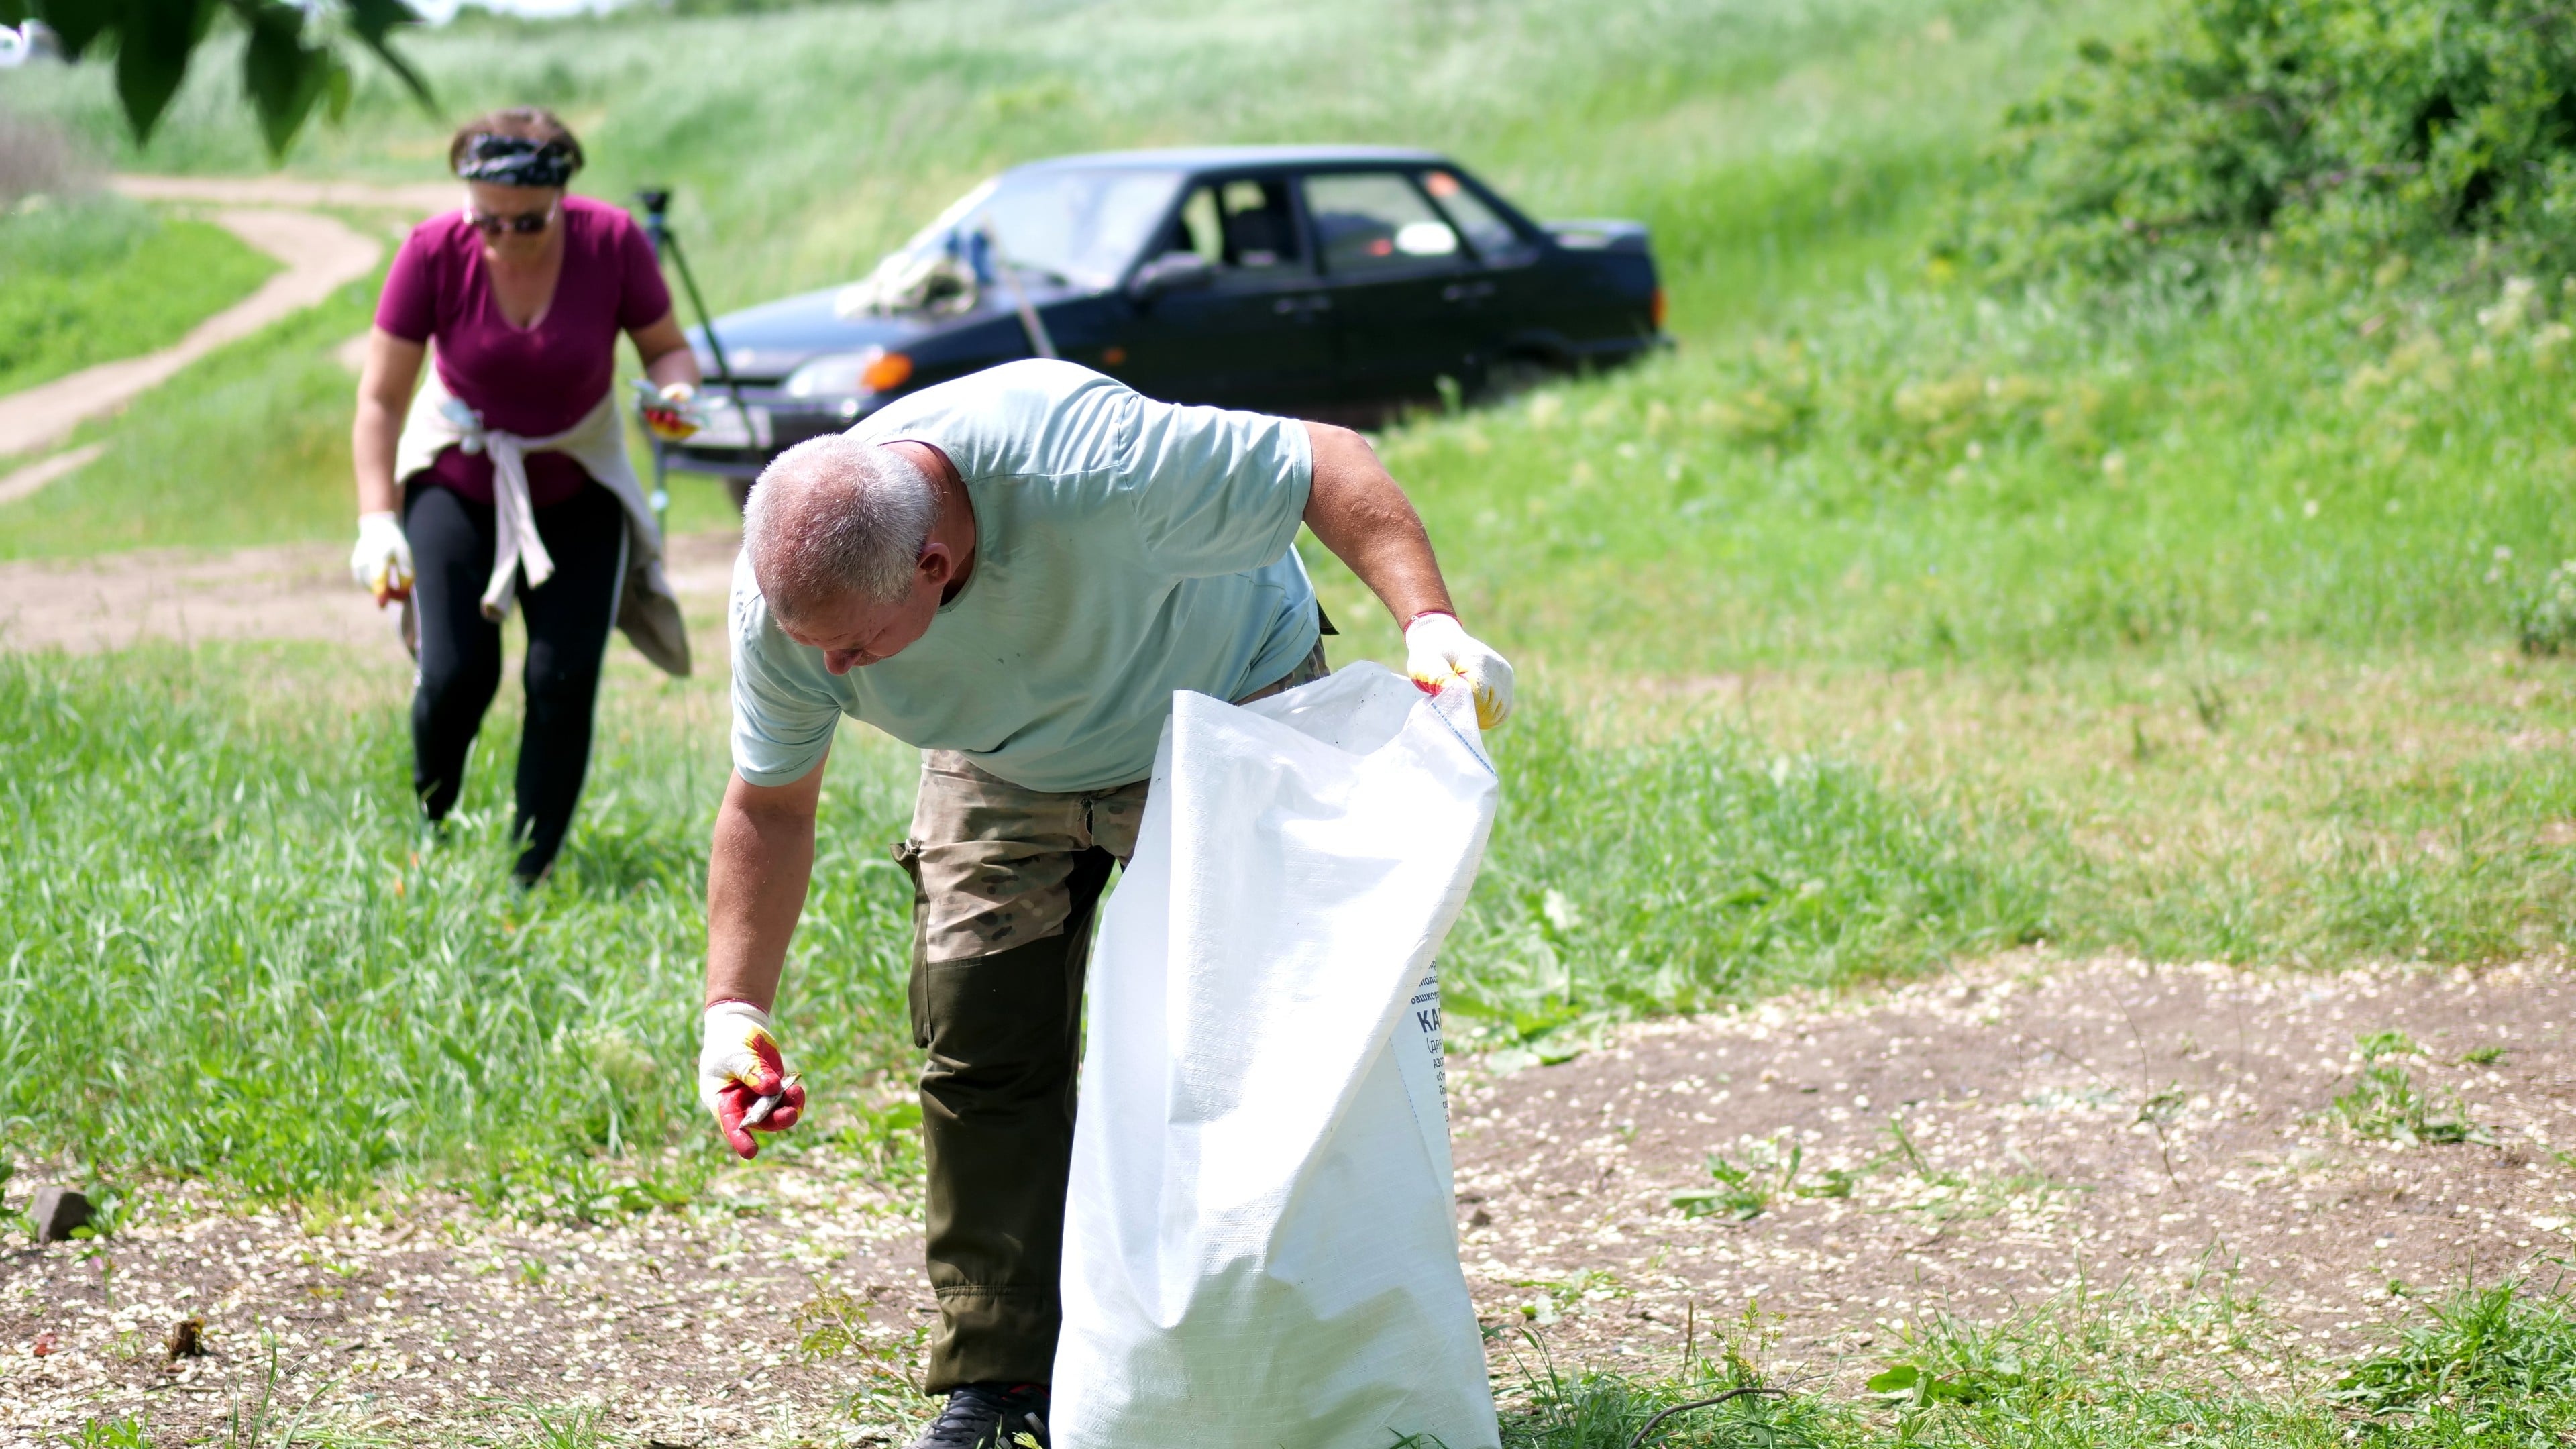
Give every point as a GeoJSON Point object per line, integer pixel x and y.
{"type": "Point", "coordinates": [835, 515]}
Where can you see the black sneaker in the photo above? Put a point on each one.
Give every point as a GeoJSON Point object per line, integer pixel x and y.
{"type": "Point", "coordinates": [988, 1416]}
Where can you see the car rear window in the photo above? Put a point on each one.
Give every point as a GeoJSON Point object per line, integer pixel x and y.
{"type": "Point", "coordinates": [1485, 228]}
{"type": "Point", "coordinates": [1369, 221]}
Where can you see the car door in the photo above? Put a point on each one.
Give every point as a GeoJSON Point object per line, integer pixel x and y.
{"type": "Point", "coordinates": [1248, 326]}
{"type": "Point", "coordinates": [1503, 298]}
{"type": "Point", "coordinates": [1397, 275]}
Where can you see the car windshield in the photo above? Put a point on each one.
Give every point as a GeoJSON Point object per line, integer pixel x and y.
{"type": "Point", "coordinates": [1079, 228]}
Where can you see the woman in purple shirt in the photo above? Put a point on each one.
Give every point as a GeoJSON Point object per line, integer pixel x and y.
{"type": "Point", "coordinates": [484, 476]}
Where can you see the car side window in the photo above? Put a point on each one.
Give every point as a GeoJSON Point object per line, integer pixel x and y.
{"type": "Point", "coordinates": [1242, 225]}
{"type": "Point", "coordinates": [1486, 231]}
{"type": "Point", "coordinates": [1377, 221]}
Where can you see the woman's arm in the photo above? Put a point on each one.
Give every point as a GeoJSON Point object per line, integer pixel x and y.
{"type": "Point", "coordinates": [384, 395]}
{"type": "Point", "coordinates": [665, 352]}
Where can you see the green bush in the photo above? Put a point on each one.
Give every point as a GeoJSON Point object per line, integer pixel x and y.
{"type": "Point", "coordinates": [2354, 128]}
{"type": "Point", "coordinates": [2545, 618]}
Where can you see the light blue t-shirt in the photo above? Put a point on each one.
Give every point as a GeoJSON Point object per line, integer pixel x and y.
{"type": "Point", "coordinates": [1124, 548]}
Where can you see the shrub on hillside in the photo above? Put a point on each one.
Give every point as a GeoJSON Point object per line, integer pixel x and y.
{"type": "Point", "coordinates": [2345, 129]}
{"type": "Point", "coordinates": [2545, 617]}
{"type": "Point", "coordinates": [39, 158]}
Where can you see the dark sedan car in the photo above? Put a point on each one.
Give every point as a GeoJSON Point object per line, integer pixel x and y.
{"type": "Point", "coordinates": [1319, 281]}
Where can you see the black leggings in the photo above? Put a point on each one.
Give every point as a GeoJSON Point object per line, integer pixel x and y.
{"type": "Point", "coordinates": [460, 652]}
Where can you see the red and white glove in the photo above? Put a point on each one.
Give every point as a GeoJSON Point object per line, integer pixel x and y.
{"type": "Point", "coordinates": [742, 1077]}
{"type": "Point", "coordinates": [1438, 652]}
{"type": "Point", "coordinates": [670, 413]}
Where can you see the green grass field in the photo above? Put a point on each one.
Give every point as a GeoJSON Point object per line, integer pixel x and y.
{"type": "Point", "coordinates": [1884, 622]}
{"type": "Point", "coordinates": [93, 279]}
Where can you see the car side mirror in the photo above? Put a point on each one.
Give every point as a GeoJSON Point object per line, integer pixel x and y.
{"type": "Point", "coordinates": [1171, 272]}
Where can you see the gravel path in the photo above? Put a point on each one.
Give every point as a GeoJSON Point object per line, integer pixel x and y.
{"type": "Point", "coordinates": [2153, 1134]}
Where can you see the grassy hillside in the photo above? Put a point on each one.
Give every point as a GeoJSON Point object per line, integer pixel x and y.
{"type": "Point", "coordinates": [1848, 459]}
{"type": "Point", "coordinates": [1779, 151]}
{"type": "Point", "coordinates": [805, 143]}
{"type": "Point", "coordinates": [92, 279]}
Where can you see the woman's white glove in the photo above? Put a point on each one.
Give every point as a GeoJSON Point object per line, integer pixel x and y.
{"type": "Point", "coordinates": [742, 1077]}
{"type": "Point", "coordinates": [381, 563]}
{"type": "Point", "coordinates": [1437, 652]}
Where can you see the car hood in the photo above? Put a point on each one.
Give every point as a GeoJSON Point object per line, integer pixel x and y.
{"type": "Point", "coordinates": [771, 340]}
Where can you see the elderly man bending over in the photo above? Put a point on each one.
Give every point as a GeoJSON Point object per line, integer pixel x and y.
{"type": "Point", "coordinates": [1013, 571]}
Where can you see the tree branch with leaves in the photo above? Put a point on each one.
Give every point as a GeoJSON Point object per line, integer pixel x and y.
{"type": "Point", "coordinates": [293, 58]}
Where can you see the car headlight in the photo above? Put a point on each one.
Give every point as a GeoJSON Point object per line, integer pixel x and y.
{"type": "Point", "coordinates": [850, 374]}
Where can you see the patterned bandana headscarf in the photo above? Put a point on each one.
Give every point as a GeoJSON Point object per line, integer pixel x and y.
{"type": "Point", "coordinates": [514, 161]}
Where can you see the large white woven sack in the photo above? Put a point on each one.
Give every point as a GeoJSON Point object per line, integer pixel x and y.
{"type": "Point", "coordinates": [1260, 1246]}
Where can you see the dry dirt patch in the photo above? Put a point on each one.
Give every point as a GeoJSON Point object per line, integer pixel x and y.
{"type": "Point", "coordinates": [444, 1325]}
{"type": "Point", "coordinates": [2101, 1123]}
{"type": "Point", "coordinates": [288, 591]}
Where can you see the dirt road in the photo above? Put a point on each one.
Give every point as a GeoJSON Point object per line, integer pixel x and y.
{"type": "Point", "coordinates": [320, 254]}
{"type": "Point", "coordinates": [290, 591]}
{"type": "Point", "coordinates": [2160, 1136]}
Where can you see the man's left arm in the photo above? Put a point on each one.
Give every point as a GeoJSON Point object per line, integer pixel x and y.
{"type": "Point", "coordinates": [1358, 510]}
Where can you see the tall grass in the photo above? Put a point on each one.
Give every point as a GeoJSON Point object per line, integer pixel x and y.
{"type": "Point", "coordinates": [1922, 477]}
{"type": "Point", "coordinates": [233, 952]}
{"type": "Point", "coordinates": [1705, 868]}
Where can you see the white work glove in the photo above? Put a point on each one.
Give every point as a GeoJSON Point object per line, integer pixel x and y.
{"type": "Point", "coordinates": [1438, 652]}
{"type": "Point", "coordinates": [743, 1079]}
{"type": "Point", "coordinates": [381, 563]}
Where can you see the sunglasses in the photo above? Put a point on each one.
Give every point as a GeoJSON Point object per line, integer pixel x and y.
{"type": "Point", "coordinates": [526, 223]}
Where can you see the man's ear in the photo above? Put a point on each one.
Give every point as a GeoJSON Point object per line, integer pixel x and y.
{"type": "Point", "coordinates": [936, 564]}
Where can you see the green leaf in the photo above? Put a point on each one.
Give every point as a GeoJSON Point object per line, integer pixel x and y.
{"type": "Point", "coordinates": [336, 95]}
{"type": "Point", "coordinates": [153, 42]}
{"type": "Point", "coordinates": [373, 22]}
{"type": "Point", "coordinates": [1902, 1379]}
{"type": "Point", "coordinates": [76, 22]}
{"type": "Point", "coordinates": [282, 75]}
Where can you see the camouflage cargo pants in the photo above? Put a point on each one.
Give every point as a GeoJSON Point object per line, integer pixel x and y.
{"type": "Point", "coordinates": [1006, 881]}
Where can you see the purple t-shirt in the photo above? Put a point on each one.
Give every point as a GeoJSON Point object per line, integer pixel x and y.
{"type": "Point", "coordinates": [530, 381]}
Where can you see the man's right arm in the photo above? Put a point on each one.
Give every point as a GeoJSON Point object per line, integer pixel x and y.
{"type": "Point", "coordinates": [757, 870]}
